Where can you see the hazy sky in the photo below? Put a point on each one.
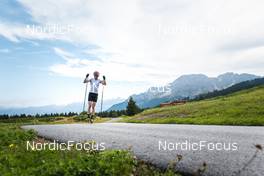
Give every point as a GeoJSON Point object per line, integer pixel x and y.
{"type": "Point", "coordinates": [46, 47]}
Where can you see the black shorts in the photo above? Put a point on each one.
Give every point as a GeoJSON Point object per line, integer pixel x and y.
{"type": "Point", "coordinates": [93, 97]}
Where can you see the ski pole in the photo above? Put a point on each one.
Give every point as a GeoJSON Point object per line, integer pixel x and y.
{"type": "Point", "coordinates": [85, 91]}
{"type": "Point", "coordinates": [102, 98]}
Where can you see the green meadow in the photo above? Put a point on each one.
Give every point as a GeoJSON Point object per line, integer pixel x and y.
{"type": "Point", "coordinates": [241, 108]}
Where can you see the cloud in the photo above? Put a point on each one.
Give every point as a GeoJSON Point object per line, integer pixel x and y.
{"type": "Point", "coordinates": [239, 45]}
{"type": "Point", "coordinates": [142, 43]}
{"type": "Point", "coordinates": [166, 39]}
{"type": "Point", "coordinates": [247, 60]}
{"type": "Point", "coordinates": [73, 67]}
{"type": "Point", "coordinates": [175, 37]}
{"type": "Point", "coordinates": [116, 71]}
{"type": "Point", "coordinates": [15, 32]}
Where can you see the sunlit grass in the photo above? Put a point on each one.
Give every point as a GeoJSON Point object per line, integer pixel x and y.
{"type": "Point", "coordinates": [241, 108]}
{"type": "Point", "coordinates": [15, 159]}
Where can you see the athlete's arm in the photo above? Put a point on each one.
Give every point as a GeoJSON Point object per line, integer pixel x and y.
{"type": "Point", "coordinates": [103, 81]}
{"type": "Point", "coordinates": [86, 80]}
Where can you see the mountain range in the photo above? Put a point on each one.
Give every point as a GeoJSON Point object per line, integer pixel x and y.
{"type": "Point", "coordinates": [186, 86]}
{"type": "Point", "coordinates": [73, 107]}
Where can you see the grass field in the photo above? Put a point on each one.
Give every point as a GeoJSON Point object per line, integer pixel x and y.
{"type": "Point", "coordinates": [15, 159]}
{"type": "Point", "coordinates": [241, 108]}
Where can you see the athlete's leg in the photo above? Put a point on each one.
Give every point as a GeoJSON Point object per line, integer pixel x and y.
{"type": "Point", "coordinates": [93, 107]}
{"type": "Point", "coordinates": [90, 105]}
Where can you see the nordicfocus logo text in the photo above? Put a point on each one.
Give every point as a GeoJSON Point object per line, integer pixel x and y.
{"type": "Point", "coordinates": [69, 145]}
{"type": "Point", "coordinates": [197, 146]}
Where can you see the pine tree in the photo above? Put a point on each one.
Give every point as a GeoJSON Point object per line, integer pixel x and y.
{"type": "Point", "coordinates": [132, 107]}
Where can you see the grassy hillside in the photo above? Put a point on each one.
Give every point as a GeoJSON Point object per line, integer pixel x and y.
{"type": "Point", "coordinates": [241, 108]}
{"type": "Point", "coordinates": [232, 89]}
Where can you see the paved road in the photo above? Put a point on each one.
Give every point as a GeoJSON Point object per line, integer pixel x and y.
{"type": "Point", "coordinates": [148, 143]}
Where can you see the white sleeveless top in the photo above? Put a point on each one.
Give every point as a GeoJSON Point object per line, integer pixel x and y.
{"type": "Point", "coordinates": [94, 85]}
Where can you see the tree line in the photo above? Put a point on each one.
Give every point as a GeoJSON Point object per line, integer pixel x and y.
{"type": "Point", "coordinates": [69, 114]}
{"type": "Point", "coordinates": [132, 109]}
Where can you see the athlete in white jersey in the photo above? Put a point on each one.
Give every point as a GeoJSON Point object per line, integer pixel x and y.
{"type": "Point", "coordinates": [93, 93]}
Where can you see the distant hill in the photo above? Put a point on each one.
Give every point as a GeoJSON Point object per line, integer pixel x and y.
{"type": "Point", "coordinates": [244, 107]}
{"type": "Point", "coordinates": [232, 89]}
{"type": "Point", "coordinates": [73, 107]}
{"type": "Point", "coordinates": [185, 86]}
